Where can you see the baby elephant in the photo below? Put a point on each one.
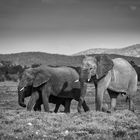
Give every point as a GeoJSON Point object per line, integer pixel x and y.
{"type": "Point", "coordinates": [66, 102]}
{"type": "Point", "coordinates": [55, 100]}
{"type": "Point", "coordinates": [63, 82]}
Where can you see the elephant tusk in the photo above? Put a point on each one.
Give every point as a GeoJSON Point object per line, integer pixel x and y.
{"type": "Point", "coordinates": [76, 80]}
{"type": "Point", "coordinates": [22, 89]}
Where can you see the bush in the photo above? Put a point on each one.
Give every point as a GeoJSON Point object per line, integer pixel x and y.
{"type": "Point", "coordinates": [11, 72]}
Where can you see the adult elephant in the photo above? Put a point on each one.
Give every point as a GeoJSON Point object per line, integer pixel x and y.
{"type": "Point", "coordinates": [136, 67]}
{"type": "Point", "coordinates": [61, 82]}
{"type": "Point", "coordinates": [115, 75]}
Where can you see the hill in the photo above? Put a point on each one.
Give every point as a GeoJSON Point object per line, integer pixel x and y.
{"type": "Point", "coordinates": [29, 58]}
{"type": "Point", "coordinates": [133, 50]}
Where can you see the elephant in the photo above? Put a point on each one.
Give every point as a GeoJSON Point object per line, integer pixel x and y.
{"type": "Point", "coordinates": [136, 67]}
{"type": "Point", "coordinates": [52, 99]}
{"type": "Point", "coordinates": [112, 75]}
{"type": "Point", "coordinates": [47, 82]}
{"type": "Point", "coordinates": [55, 100]}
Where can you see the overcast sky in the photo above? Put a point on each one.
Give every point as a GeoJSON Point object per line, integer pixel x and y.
{"type": "Point", "coordinates": [68, 26]}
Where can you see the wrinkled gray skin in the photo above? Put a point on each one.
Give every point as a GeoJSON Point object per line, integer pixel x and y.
{"type": "Point", "coordinates": [137, 69]}
{"type": "Point", "coordinates": [52, 99]}
{"type": "Point", "coordinates": [56, 81]}
{"type": "Point", "coordinates": [115, 75]}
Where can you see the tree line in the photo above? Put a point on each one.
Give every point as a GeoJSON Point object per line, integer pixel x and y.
{"type": "Point", "coordinates": [12, 72]}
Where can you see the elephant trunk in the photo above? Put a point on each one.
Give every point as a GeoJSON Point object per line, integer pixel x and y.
{"type": "Point", "coordinates": [21, 98]}
{"type": "Point", "coordinates": [98, 100]}
{"type": "Point", "coordinates": [85, 75]}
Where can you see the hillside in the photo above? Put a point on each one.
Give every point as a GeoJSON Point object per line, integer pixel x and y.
{"type": "Point", "coordinates": [29, 58]}
{"type": "Point", "coordinates": [133, 50]}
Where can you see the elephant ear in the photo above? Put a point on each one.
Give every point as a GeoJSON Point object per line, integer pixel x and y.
{"type": "Point", "coordinates": [104, 64]}
{"type": "Point", "coordinates": [77, 68]}
{"type": "Point", "coordinates": [40, 79]}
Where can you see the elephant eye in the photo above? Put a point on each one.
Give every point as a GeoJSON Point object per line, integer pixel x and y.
{"type": "Point", "coordinates": [93, 68]}
{"type": "Point", "coordinates": [88, 65]}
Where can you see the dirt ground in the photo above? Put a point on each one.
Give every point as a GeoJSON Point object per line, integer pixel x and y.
{"type": "Point", "coordinates": [17, 123]}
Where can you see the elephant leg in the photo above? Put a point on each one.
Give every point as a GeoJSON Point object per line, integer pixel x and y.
{"type": "Point", "coordinates": [131, 92]}
{"type": "Point", "coordinates": [99, 93]}
{"type": "Point", "coordinates": [80, 105]}
{"type": "Point", "coordinates": [113, 104]}
{"type": "Point", "coordinates": [85, 107]}
{"type": "Point", "coordinates": [99, 98]}
{"type": "Point", "coordinates": [56, 108]}
{"type": "Point", "coordinates": [37, 106]}
{"type": "Point", "coordinates": [101, 88]}
{"type": "Point", "coordinates": [131, 105]}
{"type": "Point", "coordinates": [113, 99]}
{"type": "Point", "coordinates": [46, 89]}
{"type": "Point", "coordinates": [67, 105]}
{"type": "Point", "coordinates": [34, 97]}
{"type": "Point", "coordinates": [83, 93]}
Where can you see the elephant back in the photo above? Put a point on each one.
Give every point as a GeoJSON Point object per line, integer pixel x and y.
{"type": "Point", "coordinates": [64, 79]}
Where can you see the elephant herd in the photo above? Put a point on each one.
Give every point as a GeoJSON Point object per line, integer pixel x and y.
{"type": "Point", "coordinates": [60, 85]}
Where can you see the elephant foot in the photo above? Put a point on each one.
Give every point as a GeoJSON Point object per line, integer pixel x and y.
{"type": "Point", "coordinates": [86, 110]}
{"type": "Point", "coordinates": [81, 101]}
{"type": "Point", "coordinates": [64, 112]}
{"type": "Point", "coordinates": [105, 108]}
{"type": "Point", "coordinates": [131, 106]}
{"type": "Point", "coordinates": [37, 108]}
{"type": "Point", "coordinates": [22, 104]}
{"type": "Point", "coordinates": [79, 110]}
{"type": "Point", "coordinates": [133, 109]}
{"type": "Point", "coordinates": [111, 110]}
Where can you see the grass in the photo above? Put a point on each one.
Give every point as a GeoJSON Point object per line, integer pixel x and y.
{"type": "Point", "coordinates": [17, 123]}
{"type": "Point", "coordinates": [96, 125]}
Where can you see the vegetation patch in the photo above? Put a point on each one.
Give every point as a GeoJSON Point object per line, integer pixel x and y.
{"type": "Point", "coordinates": [91, 125]}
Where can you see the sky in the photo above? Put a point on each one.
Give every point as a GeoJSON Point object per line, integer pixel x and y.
{"type": "Point", "coordinates": [68, 26]}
